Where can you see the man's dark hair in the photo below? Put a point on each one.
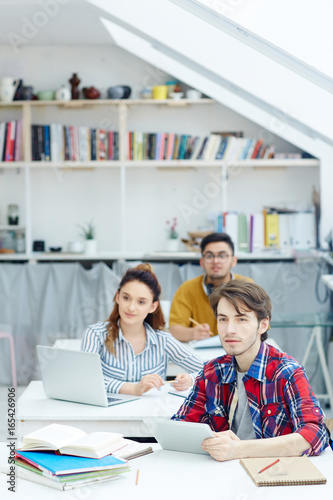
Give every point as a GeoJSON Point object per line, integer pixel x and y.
{"type": "Point", "coordinates": [214, 237]}
{"type": "Point", "coordinates": [243, 293]}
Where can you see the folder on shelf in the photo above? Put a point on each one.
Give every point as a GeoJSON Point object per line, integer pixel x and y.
{"type": "Point", "coordinates": [243, 238]}
{"type": "Point", "coordinates": [272, 230]}
{"type": "Point", "coordinates": [303, 230]}
{"type": "Point", "coordinates": [231, 226]}
{"type": "Point", "coordinates": [257, 231]}
{"type": "Point", "coordinates": [285, 221]}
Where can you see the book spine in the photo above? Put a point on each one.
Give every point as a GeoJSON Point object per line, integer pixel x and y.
{"type": "Point", "coordinates": [102, 148]}
{"type": "Point", "coordinates": [93, 144]}
{"type": "Point", "coordinates": [8, 141]}
{"type": "Point", "coordinates": [47, 142]}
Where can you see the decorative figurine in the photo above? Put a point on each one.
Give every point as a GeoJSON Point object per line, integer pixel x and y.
{"type": "Point", "coordinates": [75, 81]}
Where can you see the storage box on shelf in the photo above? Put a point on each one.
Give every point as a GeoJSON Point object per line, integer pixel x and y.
{"type": "Point", "coordinates": [33, 112]}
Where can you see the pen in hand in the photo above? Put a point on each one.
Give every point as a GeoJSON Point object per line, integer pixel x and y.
{"type": "Point", "coordinates": [269, 465]}
{"type": "Point", "coordinates": [211, 334]}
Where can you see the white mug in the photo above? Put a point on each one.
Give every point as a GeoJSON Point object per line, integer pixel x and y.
{"type": "Point", "coordinates": [193, 94]}
{"type": "Point", "coordinates": [63, 94]}
{"type": "Point", "coordinates": [8, 88]}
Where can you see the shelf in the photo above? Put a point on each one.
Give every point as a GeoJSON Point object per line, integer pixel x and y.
{"type": "Point", "coordinates": [120, 110]}
{"type": "Point", "coordinates": [275, 163]}
{"type": "Point", "coordinates": [86, 103]}
{"type": "Point", "coordinates": [158, 256]}
{"type": "Point", "coordinates": [11, 228]}
{"type": "Point", "coordinates": [164, 164]}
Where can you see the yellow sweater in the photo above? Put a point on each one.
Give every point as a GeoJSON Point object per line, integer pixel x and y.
{"type": "Point", "coordinates": [191, 301]}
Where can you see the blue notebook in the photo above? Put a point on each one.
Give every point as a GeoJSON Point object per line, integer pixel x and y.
{"type": "Point", "coordinates": [68, 464]}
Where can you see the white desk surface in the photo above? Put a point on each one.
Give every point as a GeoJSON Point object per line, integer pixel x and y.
{"type": "Point", "coordinates": [36, 410]}
{"type": "Point", "coordinates": [167, 475]}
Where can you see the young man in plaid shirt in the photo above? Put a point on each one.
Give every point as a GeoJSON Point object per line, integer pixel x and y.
{"type": "Point", "coordinates": [254, 391]}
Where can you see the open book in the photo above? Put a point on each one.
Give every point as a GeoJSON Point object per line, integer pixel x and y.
{"type": "Point", "coordinates": [69, 440]}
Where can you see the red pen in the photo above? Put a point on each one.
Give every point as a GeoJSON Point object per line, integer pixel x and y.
{"type": "Point", "coordinates": [268, 466]}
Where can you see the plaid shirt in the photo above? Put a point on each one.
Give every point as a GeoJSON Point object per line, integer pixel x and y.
{"type": "Point", "coordinates": [280, 398]}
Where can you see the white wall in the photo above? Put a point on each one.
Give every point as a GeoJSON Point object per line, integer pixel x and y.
{"type": "Point", "coordinates": [61, 201]}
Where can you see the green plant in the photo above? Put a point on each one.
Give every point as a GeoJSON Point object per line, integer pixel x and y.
{"type": "Point", "coordinates": [88, 231]}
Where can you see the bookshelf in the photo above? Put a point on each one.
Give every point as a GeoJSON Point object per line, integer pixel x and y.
{"type": "Point", "coordinates": [120, 110]}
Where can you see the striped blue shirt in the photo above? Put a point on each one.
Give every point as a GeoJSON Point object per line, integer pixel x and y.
{"type": "Point", "coordinates": [161, 347]}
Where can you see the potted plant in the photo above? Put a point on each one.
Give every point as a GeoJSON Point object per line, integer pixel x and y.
{"type": "Point", "coordinates": [88, 234]}
{"type": "Point", "coordinates": [172, 235]}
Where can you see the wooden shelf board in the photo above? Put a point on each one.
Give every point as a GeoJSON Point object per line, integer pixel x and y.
{"type": "Point", "coordinates": [84, 103]}
{"type": "Point", "coordinates": [164, 164]}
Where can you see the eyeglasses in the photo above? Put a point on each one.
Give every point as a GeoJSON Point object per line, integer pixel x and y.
{"type": "Point", "coordinates": [209, 256]}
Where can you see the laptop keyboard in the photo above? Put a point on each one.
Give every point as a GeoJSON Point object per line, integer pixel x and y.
{"type": "Point", "coordinates": [112, 400]}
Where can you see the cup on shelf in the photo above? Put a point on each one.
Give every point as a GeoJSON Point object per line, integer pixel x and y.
{"type": "Point", "coordinates": [193, 94]}
{"type": "Point", "coordinates": [177, 95]}
{"type": "Point", "coordinates": [46, 95]}
{"type": "Point", "coordinates": [119, 92]}
{"type": "Point", "coordinates": [63, 94]}
{"type": "Point", "coordinates": [27, 93]}
{"type": "Point", "coordinates": [8, 86]}
{"type": "Point", "coordinates": [171, 86]}
{"type": "Point", "coordinates": [13, 214]}
{"type": "Point", "coordinates": [160, 92]}
{"type": "Point", "coordinates": [146, 93]}
{"type": "Point", "coordinates": [75, 247]}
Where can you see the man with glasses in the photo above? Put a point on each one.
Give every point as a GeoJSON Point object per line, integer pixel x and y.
{"type": "Point", "coordinates": [191, 300]}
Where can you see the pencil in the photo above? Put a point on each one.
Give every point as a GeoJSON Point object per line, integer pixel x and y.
{"type": "Point", "coordinates": [137, 477]}
{"type": "Point", "coordinates": [196, 323]}
{"type": "Point", "coordinates": [171, 381]}
{"type": "Point", "coordinates": [269, 465]}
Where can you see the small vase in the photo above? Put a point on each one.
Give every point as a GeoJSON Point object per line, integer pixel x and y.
{"type": "Point", "coordinates": [63, 94]}
{"type": "Point", "coordinates": [172, 245]}
{"type": "Point", "coordinates": [74, 81]}
{"type": "Point", "coordinates": [90, 247]}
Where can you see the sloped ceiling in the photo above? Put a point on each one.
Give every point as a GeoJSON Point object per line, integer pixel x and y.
{"type": "Point", "coordinates": [194, 44]}
{"type": "Point", "coordinates": [226, 65]}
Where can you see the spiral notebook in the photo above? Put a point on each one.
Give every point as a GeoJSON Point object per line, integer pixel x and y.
{"type": "Point", "coordinates": [288, 471]}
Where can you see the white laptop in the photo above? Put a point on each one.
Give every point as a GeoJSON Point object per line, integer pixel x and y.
{"type": "Point", "coordinates": [177, 435]}
{"type": "Point", "coordinates": [75, 376]}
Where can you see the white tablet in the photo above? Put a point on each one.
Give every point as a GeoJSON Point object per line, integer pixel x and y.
{"type": "Point", "coordinates": [178, 435]}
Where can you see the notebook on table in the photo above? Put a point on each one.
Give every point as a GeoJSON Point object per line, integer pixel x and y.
{"type": "Point", "coordinates": [288, 471]}
{"type": "Point", "coordinates": [75, 376]}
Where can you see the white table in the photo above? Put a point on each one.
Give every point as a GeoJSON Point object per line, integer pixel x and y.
{"type": "Point", "coordinates": [35, 410]}
{"type": "Point", "coordinates": [167, 475]}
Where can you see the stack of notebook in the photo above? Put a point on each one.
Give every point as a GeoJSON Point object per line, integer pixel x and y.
{"type": "Point", "coordinates": [66, 472]}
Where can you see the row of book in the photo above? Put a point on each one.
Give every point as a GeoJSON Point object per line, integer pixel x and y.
{"type": "Point", "coordinates": [11, 146]}
{"type": "Point", "coordinates": [64, 457]}
{"type": "Point", "coordinates": [284, 231]}
{"type": "Point", "coordinates": [59, 143]}
{"type": "Point", "coordinates": [164, 146]}
{"type": "Point", "coordinates": [56, 142]}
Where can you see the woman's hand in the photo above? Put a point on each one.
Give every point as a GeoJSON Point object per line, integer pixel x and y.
{"type": "Point", "coordinates": [183, 381]}
{"type": "Point", "coordinates": [148, 382]}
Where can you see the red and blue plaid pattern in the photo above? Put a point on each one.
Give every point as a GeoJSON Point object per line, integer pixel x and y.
{"type": "Point", "coordinates": [280, 398]}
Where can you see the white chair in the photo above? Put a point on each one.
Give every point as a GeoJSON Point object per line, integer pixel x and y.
{"type": "Point", "coordinates": [5, 335]}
